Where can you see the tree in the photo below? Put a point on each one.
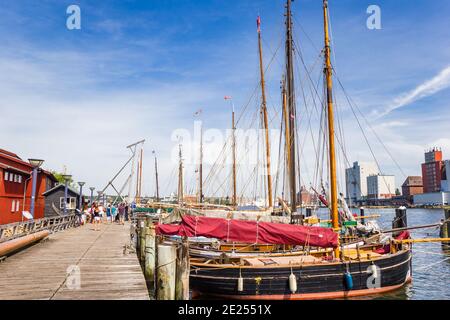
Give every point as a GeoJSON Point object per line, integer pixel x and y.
{"type": "Point", "coordinates": [397, 192]}
{"type": "Point", "coordinates": [60, 178]}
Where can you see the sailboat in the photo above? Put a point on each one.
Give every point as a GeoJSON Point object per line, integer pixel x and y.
{"type": "Point", "coordinates": [326, 267]}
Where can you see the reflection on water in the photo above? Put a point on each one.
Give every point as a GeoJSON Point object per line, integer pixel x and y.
{"type": "Point", "coordinates": [431, 261]}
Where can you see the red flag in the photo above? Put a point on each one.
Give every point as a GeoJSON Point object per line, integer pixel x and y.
{"type": "Point", "coordinates": [258, 23]}
{"type": "Point", "coordinates": [227, 97]}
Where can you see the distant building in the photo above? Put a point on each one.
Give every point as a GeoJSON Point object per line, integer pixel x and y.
{"type": "Point", "coordinates": [413, 185]}
{"type": "Point", "coordinates": [380, 186]}
{"type": "Point", "coordinates": [432, 171]}
{"type": "Point", "coordinates": [435, 198]}
{"type": "Point", "coordinates": [356, 180]}
{"type": "Point", "coordinates": [306, 198]}
{"type": "Point", "coordinates": [16, 185]}
{"type": "Point", "coordinates": [445, 182]}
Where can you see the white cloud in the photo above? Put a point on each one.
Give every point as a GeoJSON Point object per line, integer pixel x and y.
{"type": "Point", "coordinates": [426, 89]}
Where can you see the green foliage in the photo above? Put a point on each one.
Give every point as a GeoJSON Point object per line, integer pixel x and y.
{"type": "Point", "coordinates": [59, 177]}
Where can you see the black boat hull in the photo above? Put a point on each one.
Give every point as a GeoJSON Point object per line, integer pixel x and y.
{"type": "Point", "coordinates": [313, 281]}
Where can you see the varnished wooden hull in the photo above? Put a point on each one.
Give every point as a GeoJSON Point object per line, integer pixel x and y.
{"type": "Point", "coordinates": [313, 281]}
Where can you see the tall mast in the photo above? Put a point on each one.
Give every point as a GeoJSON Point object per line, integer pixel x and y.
{"type": "Point", "coordinates": [233, 126]}
{"type": "Point", "coordinates": [180, 179]}
{"type": "Point", "coordinates": [265, 117]}
{"type": "Point", "coordinates": [286, 124]}
{"type": "Point", "coordinates": [328, 74]}
{"type": "Point", "coordinates": [291, 106]}
{"type": "Point", "coordinates": [156, 176]}
{"type": "Point", "coordinates": [201, 166]}
{"type": "Point", "coordinates": [139, 177]}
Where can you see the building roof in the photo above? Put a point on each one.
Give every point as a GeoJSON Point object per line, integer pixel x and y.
{"type": "Point", "coordinates": [12, 157]}
{"type": "Point", "coordinates": [413, 181]}
{"type": "Point", "coordinates": [60, 186]}
{"type": "Point", "coordinates": [8, 153]}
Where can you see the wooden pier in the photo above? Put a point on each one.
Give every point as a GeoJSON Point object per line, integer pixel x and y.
{"type": "Point", "coordinates": [75, 264]}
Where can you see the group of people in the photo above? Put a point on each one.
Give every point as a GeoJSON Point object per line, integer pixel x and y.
{"type": "Point", "coordinates": [97, 214]}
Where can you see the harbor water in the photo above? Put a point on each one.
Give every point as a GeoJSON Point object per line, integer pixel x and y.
{"type": "Point", "coordinates": [431, 261]}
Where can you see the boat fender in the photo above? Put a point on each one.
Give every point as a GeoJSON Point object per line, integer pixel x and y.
{"type": "Point", "coordinates": [240, 282]}
{"type": "Point", "coordinates": [293, 283]}
{"type": "Point", "coordinates": [374, 270]}
{"type": "Point", "coordinates": [348, 280]}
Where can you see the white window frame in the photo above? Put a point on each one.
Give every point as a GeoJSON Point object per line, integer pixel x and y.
{"type": "Point", "coordinates": [13, 205]}
{"type": "Point", "coordinates": [20, 179]}
{"type": "Point", "coordinates": [11, 177]}
{"type": "Point", "coordinates": [6, 174]}
{"type": "Point", "coordinates": [17, 205]}
{"type": "Point", "coordinates": [71, 203]}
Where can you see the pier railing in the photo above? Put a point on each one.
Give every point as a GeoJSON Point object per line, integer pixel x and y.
{"type": "Point", "coordinates": [52, 224]}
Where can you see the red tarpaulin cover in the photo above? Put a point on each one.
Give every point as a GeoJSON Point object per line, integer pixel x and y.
{"type": "Point", "coordinates": [250, 232]}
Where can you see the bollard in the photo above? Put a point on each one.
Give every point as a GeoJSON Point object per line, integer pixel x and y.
{"type": "Point", "coordinates": [445, 227]}
{"type": "Point", "coordinates": [150, 257]}
{"type": "Point", "coordinates": [142, 234]}
{"type": "Point", "coordinates": [362, 214]}
{"type": "Point", "coordinates": [308, 212]}
{"type": "Point", "coordinates": [182, 272]}
{"type": "Point", "coordinates": [134, 236]}
{"type": "Point", "coordinates": [148, 221]}
{"type": "Point", "coordinates": [140, 225]}
{"type": "Point", "coordinates": [400, 220]}
{"type": "Point", "coordinates": [165, 272]}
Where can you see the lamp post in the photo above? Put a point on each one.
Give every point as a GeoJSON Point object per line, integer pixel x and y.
{"type": "Point", "coordinates": [99, 195]}
{"type": "Point", "coordinates": [80, 205]}
{"type": "Point", "coordinates": [66, 178]}
{"type": "Point", "coordinates": [92, 194]}
{"type": "Point", "coordinates": [36, 164]}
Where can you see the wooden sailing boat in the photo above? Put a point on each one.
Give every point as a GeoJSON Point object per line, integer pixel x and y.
{"type": "Point", "coordinates": [315, 273]}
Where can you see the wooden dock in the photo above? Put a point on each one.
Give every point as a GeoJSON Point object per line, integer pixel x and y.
{"type": "Point", "coordinates": [49, 270]}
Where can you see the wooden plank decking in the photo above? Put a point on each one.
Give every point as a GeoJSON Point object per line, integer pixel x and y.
{"type": "Point", "coordinates": [107, 269]}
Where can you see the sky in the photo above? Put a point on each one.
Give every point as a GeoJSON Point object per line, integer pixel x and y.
{"type": "Point", "coordinates": [142, 69]}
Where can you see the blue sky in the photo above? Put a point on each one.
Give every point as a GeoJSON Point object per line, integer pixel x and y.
{"type": "Point", "coordinates": [140, 69]}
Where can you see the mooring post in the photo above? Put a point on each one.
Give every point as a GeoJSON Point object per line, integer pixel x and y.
{"type": "Point", "coordinates": [165, 272]}
{"type": "Point", "coordinates": [182, 273]}
{"type": "Point", "coordinates": [134, 235]}
{"type": "Point", "coordinates": [150, 257]}
{"type": "Point", "coordinates": [308, 212]}
{"type": "Point", "coordinates": [362, 214]}
{"type": "Point", "coordinates": [400, 220]}
{"type": "Point", "coordinates": [140, 225]}
{"type": "Point", "coordinates": [148, 221]}
{"type": "Point", "coordinates": [142, 234]}
{"type": "Point", "coordinates": [445, 227]}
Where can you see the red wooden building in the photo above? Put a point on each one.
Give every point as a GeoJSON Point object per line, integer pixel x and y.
{"type": "Point", "coordinates": [15, 188]}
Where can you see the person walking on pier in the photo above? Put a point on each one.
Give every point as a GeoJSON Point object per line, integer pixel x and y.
{"type": "Point", "coordinates": [113, 213]}
{"type": "Point", "coordinates": [96, 217]}
{"type": "Point", "coordinates": [108, 213]}
{"type": "Point", "coordinates": [121, 213]}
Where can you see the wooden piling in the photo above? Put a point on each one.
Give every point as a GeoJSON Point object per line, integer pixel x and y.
{"type": "Point", "coordinates": [308, 212]}
{"type": "Point", "coordinates": [182, 272]}
{"type": "Point", "coordinates": [134, 235]}
{"type": "Point", "coordinates": [142, 234]}
{"type": "Point", "coordinates": [445, 227]}
{"type": "Point", "coordinates": [362, 215]}
{"type": "Point", "coordinates": [165, 272]}
{"type": "Point", "coordinates": [150, 257]}
{"type": "Point", "coordinates": [400, 220]}
{"type": "Point", "coordinates": [140, 224]}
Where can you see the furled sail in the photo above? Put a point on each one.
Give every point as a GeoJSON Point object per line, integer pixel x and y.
{"type": "Point", "coordinates": [251, 232]}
